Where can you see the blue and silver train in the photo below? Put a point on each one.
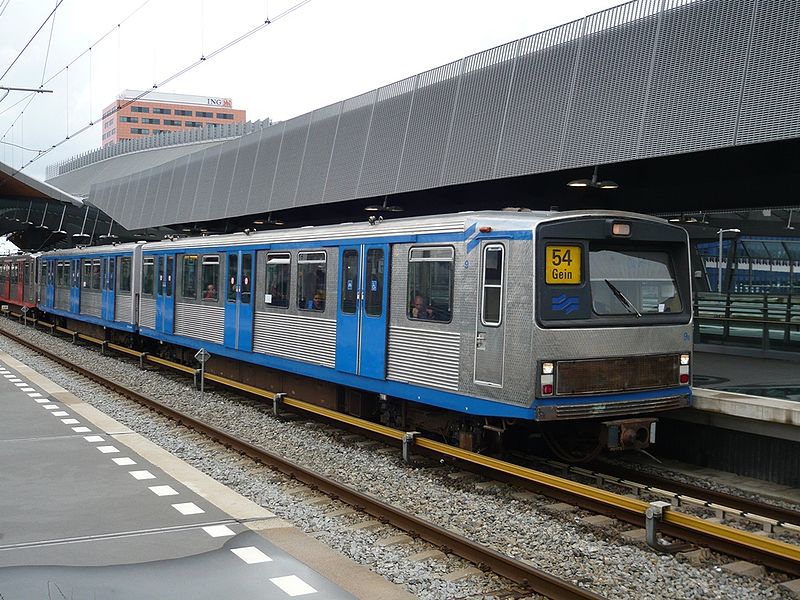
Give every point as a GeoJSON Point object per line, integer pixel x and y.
{"type": "Point", "coordinates": [470, 325]}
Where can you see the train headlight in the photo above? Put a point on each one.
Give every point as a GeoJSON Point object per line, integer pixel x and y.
{"type": "Point", "coordinates": [684, 359]}
{"type": "Point", "coordinates": [547, 368]}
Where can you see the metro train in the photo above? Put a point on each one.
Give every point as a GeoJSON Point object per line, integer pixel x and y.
{"type": "Point", "coordinates": [480, 326]}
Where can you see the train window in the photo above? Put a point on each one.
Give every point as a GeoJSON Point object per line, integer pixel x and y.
{"type": "Point", "coordinates": [148, 276]}
{"type": "Point", "coordinates": [87, 274]}
{"type": "Point", "coordinates": [112, 269]}
{"type": "Point", "coordinates": [349, 281]}
{"type": "Point", "coordinates": [492, 298]}
{"type": "Point", "coordinates": [278, 273]}
{"type": "Point", "coordinates": [632, 282]}
{"type": "Point", "coordinates": [430, 283]}
{"type": "Point", "coordinates": [170, 271]}
{"type": "Point", "coordinates": [96, 274]}
{"type": "Point", "coordinates": [373, 285]}
{"type": "Point", "coordinates": [14, 273]}
{"type": "Point", "coordinates": [311, 270]}
{"type": "Point", "coordinates": [210, 276]}
{"type": "Point", "coordinates": [189, 276]}
{"type": "Point", "coordinates": [44, 275]}
{"type": "Point", "coordinates": [125, 274]}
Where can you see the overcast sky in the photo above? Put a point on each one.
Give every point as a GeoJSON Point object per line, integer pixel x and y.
{"type": "Point", "coordinates": [325, 51]}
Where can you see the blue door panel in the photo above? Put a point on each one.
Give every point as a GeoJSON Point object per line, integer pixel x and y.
{"type": "Point", "coordinates": [231, 278]}
{"type": "Point", "coordinates": [169, 294]}
{"type": "Point", "coordinates": [239, 299]}
{"type": "Point", "coordinates": [347, 312]}
{"type": "Point", "coordinates": [373, 308]}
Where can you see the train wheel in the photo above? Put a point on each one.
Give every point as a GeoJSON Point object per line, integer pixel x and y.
{"type": "Point", "coordinates": [573, 443]}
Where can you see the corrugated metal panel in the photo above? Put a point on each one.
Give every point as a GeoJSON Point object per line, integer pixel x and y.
{"type": "Point", "coordinates": [223, 180]}
{"type": "Point", "coordinates": [203, 200]}
{"type": "Point", "coordinates": [386, 136]}
{"type": "Point", "coordinates": [171, 215]}
{"type": "Point", "coordinates": [348, 150]}
{"type": "Point", "coordinates": [164, 186]}
{"type": "Point", "coordinates": [186, 206]}
{"type": "Point", "coordinates": [537, 109]}
{"type": "Point", "coordinates": [480, 110]}
{"type": "Point", "coordinates": [611, 85]}
{"type": "Point", "coordinates": [123, 308]}
{"type": "Point", "coordinates": [90, 303]}
{"type": "Point", "coordinates": [200, 322]}
{"type": "Point", "coordinates": [697, 76]}
{"type": "Point", "coordinates": [61, 300]}
{"type": "Point", "coordinates": [264, 172]}
{"type": "Point", "coordinates": [317, 158]}
{"type": "Point", "coordinates": [424, 357]}
{"type": "Point", "coordinates": [243, 174]}
{"type": "Point", "coordinates": [147, 312]}
{"type": "Point", "coordinates": [293, 146]}
{"type": "Point", "coordinates": [769, 108]}
{"type": "Point", "coordinates": [426, 139]}
{"type": "Point", "coordinates": [308, 339]}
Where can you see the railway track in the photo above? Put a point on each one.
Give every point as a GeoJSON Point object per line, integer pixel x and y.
{"type": "Point", "coordinates": [486, 558]}
{"type": "Point", "coordinates": [757, 548]}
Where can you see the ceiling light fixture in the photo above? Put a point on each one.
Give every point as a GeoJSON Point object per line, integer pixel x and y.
{"type": "Point", "coordinates": [606, 184]}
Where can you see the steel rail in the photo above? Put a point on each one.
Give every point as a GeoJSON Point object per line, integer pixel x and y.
{"type": "Point", "coordinates": [769, 552]}
{"type": "Point", "coordinates": [520, 572]}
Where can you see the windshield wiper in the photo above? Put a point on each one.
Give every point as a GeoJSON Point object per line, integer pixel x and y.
{"type": "Point", "coordinates": [621, 297]}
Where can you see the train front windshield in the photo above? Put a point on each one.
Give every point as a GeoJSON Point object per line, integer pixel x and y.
{"type": "Point", "coordinates": [632, 282]}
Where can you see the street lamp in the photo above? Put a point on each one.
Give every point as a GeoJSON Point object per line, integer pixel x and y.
{"type": "Point", "coordinates": [719, 260]}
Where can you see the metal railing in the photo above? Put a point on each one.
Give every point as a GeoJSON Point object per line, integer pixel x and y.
{"type": "Point", "coordinates": [767, 322]}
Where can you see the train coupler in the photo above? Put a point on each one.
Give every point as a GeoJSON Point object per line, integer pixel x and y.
{"type": "Point", "coordinates": [629, 434]}
{"type": "Point", "coordinates": [277, 401]}
{"type": "Point", "coordinates": [653, 515]}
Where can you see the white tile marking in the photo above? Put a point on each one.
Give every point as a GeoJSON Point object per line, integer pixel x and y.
{"type": "Point", "coordinates": [50, 406]}
{"type": "Point", "coordinates": [251, 555]}
{"type": "Point", "coordinates": [188, 508]}
{"type": "Point", "coordinates": [293, 585]}
{"type": "Point", "coordinates": [123, 462]}
{"type": "Point", "coordinates": [21, 385]}
{"type": "Point", "coordinates": [163, 490]}
{"type": "Point", "coordinates": [35, 395]}
{"type": "Point", "coordinates": [107, 449]}
{"type": "Point", "coordinates": [94, 438]}
{"type": "Point", "coordinates": [81, 429]}
{"type": "Point", "coordinates": [218, 530]}
{"type": "Point", "coordinates": [70, 421]}
{"type": "Point", "coordinates": [142, 474]}
{"type": "Point", "coordinates": [9, 376]}
{"type": "Point", "coordinates": [27, 389]}
{"type": "Point", "coordinates": [14, 379]}
{"type": "Point", "coordinates": [42, 400]}
{"type": "Point", "coordinates": [60, 413]}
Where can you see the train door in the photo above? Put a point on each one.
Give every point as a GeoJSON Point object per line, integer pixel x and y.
{"type": "Point", "coordinates": [75, 286]}
{"type": "Point", "coordinates": [165, 293]}
{"type": "Point", "coordinates": [239, 300]}
{"type": "Point", "coordinates": [490, 330]}
{"type": "Point", "coordinates": [20, 291]}
{"type": "Point", "coordinates": [108, 289]}
{"type": "Point", "coordinates": [362, 312]}
{"type": "Point", "coordinates": [49, 283]}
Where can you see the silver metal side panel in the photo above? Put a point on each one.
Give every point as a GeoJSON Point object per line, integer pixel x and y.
{"type": "Point", "coordinates": [91, 303]}
{"type": "Point", "coordinates": [147, 312]}
{"type": "Point", "coordinates": [123, 308]}
{"type": "Point", "coordinates": [62, 298]}
{"type": "Point", "coordinates": [424, 357]}
{"type": "Point", "coordinates": [200, 322]}
{"type": "Point", "coordinates": [309, 339]}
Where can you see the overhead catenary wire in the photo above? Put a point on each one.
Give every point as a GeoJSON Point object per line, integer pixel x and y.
{"type": "Point", "coordinates": [33, 37]}
{"type": "Point", "coordinates": [172, 77]}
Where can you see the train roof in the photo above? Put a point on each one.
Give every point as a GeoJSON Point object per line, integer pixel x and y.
{"type": "Point", "coordinates": [434, 224]}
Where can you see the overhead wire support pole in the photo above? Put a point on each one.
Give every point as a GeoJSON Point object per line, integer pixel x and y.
{"type": "Point", "coordinates": [21, 89]}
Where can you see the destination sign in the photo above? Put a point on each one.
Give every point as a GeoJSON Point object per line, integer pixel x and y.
{"type": "Point", "coordinates": [563, 265]}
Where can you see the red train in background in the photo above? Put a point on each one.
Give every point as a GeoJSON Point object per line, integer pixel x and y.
{"type": "Point", "coordinates": [18, 280]}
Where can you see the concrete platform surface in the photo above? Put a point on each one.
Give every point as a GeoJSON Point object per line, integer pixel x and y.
{"type": "Point", "coordinates": [92, 510]}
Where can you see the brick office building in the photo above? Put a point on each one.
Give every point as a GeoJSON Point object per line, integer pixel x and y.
{"type": "Point", "coordinates": [158, 112]}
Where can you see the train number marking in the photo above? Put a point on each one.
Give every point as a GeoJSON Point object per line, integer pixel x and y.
{"type": "Point", "coordinates": [563, 265]}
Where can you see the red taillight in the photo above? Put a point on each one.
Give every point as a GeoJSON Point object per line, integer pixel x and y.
{"type": "Point", "coordinates": [684, 378]}
{"type": "Point", "coordinates": [547, 388]}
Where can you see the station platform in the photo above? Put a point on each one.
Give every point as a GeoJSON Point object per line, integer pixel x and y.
{"type": "Point", "coordinates": [91, 510]}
